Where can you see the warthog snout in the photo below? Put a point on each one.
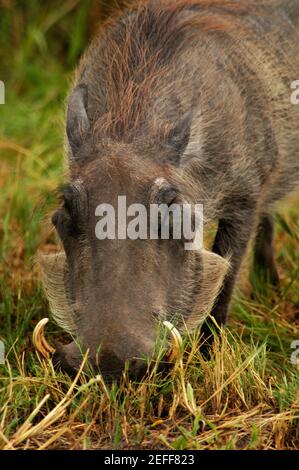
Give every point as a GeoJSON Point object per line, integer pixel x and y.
{"type": "Point", "coordinates": [113, 334]}
{"type": "Point", "coordinates": [107, 362]}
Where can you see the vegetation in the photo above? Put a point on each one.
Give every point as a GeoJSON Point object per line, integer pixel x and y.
{"type": "Point", "coordinates": [245, 397]}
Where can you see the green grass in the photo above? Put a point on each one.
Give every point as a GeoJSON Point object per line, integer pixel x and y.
{"type": "Point", "coordinates": [244, 397]}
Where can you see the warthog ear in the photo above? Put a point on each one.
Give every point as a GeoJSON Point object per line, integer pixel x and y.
{"type": "Point", "coordinates": [77, 122]}
{"type": "Point", "coordinates": [213, 271]}
{"type": "Point", "coordinates": [179, 135]}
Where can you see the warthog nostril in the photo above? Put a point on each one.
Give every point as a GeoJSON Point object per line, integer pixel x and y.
{"type": "Point", "coordinates": [111, 366]}
{"type": "Point", "coordinates": [67, 357]}
{"type": "Point", "coordinates": [60, 362]}
{"type": "Point", "coordinates": [137, 367]}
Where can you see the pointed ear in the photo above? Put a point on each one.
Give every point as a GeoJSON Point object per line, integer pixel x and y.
{"type": "Point", "coordinates": [77, 122]}
{"type": "Point", "coordinates": [214, 269]}
{"type": "Point", "coordinates": [179, 136]}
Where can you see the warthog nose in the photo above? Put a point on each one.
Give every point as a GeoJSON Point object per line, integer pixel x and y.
{"type": "Point", "coordinates": [112, 367]}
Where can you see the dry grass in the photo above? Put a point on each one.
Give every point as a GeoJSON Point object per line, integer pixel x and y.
{"type": "Point", "coordinates": [233, 401]}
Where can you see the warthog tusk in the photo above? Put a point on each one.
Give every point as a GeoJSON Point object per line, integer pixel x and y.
{"type": "Point", "coordinates": [39, 341]}
{"type": "Point", "coordinates": [177, 342]}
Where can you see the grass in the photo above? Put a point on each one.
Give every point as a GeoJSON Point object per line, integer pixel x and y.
{"type": "Point", "coordinates": [245, 397]}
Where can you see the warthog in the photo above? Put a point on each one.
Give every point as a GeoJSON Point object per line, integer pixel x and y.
{"type": "Point", "coordinates": [174, 101]}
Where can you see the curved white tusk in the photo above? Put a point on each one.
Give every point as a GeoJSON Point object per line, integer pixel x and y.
{"type": "Point", "coordinates": [39, 341]}
{"type": "Point", "coordinates": [177, 342]}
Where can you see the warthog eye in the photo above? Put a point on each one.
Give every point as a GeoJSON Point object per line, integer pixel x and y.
{"type": "Point", "coordinates": [163, 193]}
{"type": "Point", "coordinates": [63, 223]}
{"type": "Point", "coordinates": [168, 195]}
{"type": "Point", "coordinates": [66, 218]}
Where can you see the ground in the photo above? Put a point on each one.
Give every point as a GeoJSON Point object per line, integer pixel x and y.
{"type": "Point", "coordinates": [245, 397]}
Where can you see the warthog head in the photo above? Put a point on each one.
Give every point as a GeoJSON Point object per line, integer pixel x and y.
{"type": "Point", "coordinates": [111, 293]}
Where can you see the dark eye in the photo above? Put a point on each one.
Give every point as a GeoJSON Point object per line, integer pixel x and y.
{"type": "Point", "coordinates": [168, 195]}
{"type": "Point", "coordinates": [66, 218]}
{"type": "Point", "coordinates": [71, 201]}
{"type": "Point", "coordinates": [63, 223]}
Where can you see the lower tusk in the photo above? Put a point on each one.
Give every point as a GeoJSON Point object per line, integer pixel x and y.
{"type": "Point", "coordinates": [177, 342]}
{"type": "Point", "coordinates": [39, 341]}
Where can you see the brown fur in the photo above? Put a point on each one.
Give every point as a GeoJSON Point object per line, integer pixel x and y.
{"type": "Point", "coordinates": [134, 70]}
{"type": "Point", "coordinates": [196, 93]}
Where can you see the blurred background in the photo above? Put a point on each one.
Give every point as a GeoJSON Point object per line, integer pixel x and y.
{"type": "Point", "coordinates": [40, 46]}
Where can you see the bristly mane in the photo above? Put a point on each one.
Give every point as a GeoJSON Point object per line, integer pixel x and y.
{"type": "Point", "coordinates": [136, 51]}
